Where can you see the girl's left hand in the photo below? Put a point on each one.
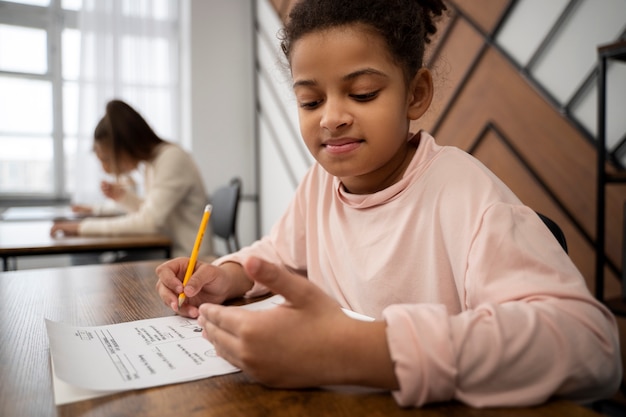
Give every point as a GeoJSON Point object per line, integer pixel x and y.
{"type": "Point", "coordinates": [307, 341]}
{"type": "Point", "coordinates": [111, 190]}
{"type": "Point", "coordinates": [82, 209]}
{"type": "Point", "coordinates": [65, 228]}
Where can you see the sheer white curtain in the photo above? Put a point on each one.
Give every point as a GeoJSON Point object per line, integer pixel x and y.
{"type": "Point", "coordinates": [129, 51]}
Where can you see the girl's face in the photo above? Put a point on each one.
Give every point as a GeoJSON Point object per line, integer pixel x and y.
{"type": "Point", "coordinates": [355, 107]}
{"type": "Point", "coordinates": [107, 159]}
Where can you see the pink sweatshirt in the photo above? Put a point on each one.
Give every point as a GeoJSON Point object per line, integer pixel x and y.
{"type": "Point", "coordinates": [481, 303]}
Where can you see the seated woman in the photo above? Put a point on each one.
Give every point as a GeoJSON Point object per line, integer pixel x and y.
{"type": "Point", "coordinates": [174, 197]}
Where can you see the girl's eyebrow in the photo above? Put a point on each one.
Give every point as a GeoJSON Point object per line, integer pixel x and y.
{"type": "Point", "coordinates": [347, 77]}
{"type": "Point", "coordinates": [364, 71]}
{"type": "Point", "coordinates": [304, 83]}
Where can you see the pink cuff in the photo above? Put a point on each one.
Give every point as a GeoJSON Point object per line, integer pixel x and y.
{"type": "Point", "coordinates": [421, 349]}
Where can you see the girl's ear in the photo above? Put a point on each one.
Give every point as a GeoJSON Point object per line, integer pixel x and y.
{"type": "Point", "coordinates": [420, 94]}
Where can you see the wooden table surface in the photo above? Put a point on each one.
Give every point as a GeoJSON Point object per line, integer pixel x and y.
{"type": "Point", "coordinates": [23, 238]}
{"type": "Point", "coordinates": [106, 294]}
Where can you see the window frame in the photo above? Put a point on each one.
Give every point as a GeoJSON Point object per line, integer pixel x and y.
{"type": "Point", "coordinates": [53, 19]}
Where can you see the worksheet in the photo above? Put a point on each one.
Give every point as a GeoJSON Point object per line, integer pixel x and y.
{"type": "Point", "coordinates": [93, 361]}
{"type": "Point", "coordinates": [100, 360]}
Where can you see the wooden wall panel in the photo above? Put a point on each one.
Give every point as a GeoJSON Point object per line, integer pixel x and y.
{"type": "Point", "coordinates": [451, 61]}
{"type": "Point", "coordinates": [485, 13]}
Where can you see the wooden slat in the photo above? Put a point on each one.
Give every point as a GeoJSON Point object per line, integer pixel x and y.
{"type": "Point", "coordinates": [452, 62]}
{"type": "Point", "coordinates": [485, 13]}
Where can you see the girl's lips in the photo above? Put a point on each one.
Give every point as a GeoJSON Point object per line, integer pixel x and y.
{"type": "Point", "coordinates": [343, 146]}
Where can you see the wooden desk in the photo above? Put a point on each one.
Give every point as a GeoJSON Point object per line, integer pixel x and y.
{"type": "Point", "coordinates": [24, 238]}
{"type": "Point", "coordinates": [105, 294]}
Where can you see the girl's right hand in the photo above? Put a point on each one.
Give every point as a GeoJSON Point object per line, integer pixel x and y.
{"type": "Point", "coordinates": [207, 284]}
{"type": "Point", "coordinates": [82, 209]}
{"type": "Point", "coordinates": [113, 191]}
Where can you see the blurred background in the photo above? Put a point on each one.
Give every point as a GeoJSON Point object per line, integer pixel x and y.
{"type": "Point", "coordinates": [535, 89]}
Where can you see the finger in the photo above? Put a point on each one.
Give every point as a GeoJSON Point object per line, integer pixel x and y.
{"type": "Point", "coordinates": [187, 310]}
{"type": "Point", "coordinates": [226, 318]}
{"type": "Point", "coordinates": [168, 279]}
{"type": "Point", "coordinates": [172, 271]}
{"type": "Point", "coordinates": [203, 276]}
{"type": "Point", "coordinates": [169, 284]}
{"type": "Point", "coordinates": [295, 288]}
{"type": "Point", "coordinates": [168, 297]}
{"type": "Point", "coordinates": [218, 326]}
{"type": "Point", "coordinates": [59, 229]}
{"type": "Point", "coordinates": [224, 345]}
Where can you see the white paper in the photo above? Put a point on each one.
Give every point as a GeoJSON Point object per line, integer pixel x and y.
{"type": "Point", "coordinates": [93, 361]}
{"type": "Point", "coordinates": [65, 393]}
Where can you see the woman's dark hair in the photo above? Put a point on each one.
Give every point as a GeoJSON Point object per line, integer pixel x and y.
{"type": "Point", "coordinates": [405, 25]}
{"type": "Point", "coordinates": [125, 132]}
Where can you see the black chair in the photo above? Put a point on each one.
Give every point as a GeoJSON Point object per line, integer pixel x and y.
{"type": "Point", "coordinates": [555, 229]}
{"type": "Point", "coordinates": [225, 202]}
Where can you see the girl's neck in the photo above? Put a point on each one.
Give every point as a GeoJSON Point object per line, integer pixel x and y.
{"type": "Point", "coordinates": [369, 185]}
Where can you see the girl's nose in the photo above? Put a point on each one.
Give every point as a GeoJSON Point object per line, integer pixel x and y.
{"type": "Point", "coordinates": [335, 115]}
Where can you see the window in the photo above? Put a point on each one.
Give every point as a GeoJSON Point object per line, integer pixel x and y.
{"type": "Point", "coordinates": [38, 58]}
{"type": "Point", "coordinates": [40, 66]}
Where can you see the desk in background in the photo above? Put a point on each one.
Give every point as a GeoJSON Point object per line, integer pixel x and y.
{"type": "Point", "coordinates": [28, 238]}
{"type": "Point", "coordinates": [30, 213]}
{"type": "Point", "coordinates": [105, 294]}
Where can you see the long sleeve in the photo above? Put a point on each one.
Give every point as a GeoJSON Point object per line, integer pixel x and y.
{"type": "Point", "coordinates": [481, 303]}
{"type": "Point", "coordinates": [130, 201]}
{"type": "Point", "coordinates": [173, 204]}
{"type": "Point", "coordinates": [529, 329]}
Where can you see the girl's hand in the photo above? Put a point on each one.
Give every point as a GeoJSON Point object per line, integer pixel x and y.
{"type": "Point", "coordinates": [307, 341]}
{"type": "Point", "coordinates": [113, 191]}
{"type": "Point", "coordinates": [82, 209]}
{"type": "Point", "coordinates": [64, 228]}
{"type": "Point", "coordinates": [207, 284]}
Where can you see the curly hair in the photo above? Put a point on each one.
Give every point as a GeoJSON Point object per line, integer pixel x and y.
{"type": "Point", "coordinates": [405, 25]}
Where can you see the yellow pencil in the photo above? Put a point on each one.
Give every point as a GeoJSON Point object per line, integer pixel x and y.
{"type": "Point", "coordinates": [194, 252]}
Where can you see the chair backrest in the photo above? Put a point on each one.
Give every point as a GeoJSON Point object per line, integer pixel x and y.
{"type": "Point", "coordinates": [225, 202]}
{"type": "Point", "coordinates": [555, 229]}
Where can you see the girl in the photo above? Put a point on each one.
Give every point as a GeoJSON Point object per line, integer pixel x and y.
{"type": "Point", "coordinates": [174, 191]}
{"type": "Point", "coordinates": [474, 299]}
